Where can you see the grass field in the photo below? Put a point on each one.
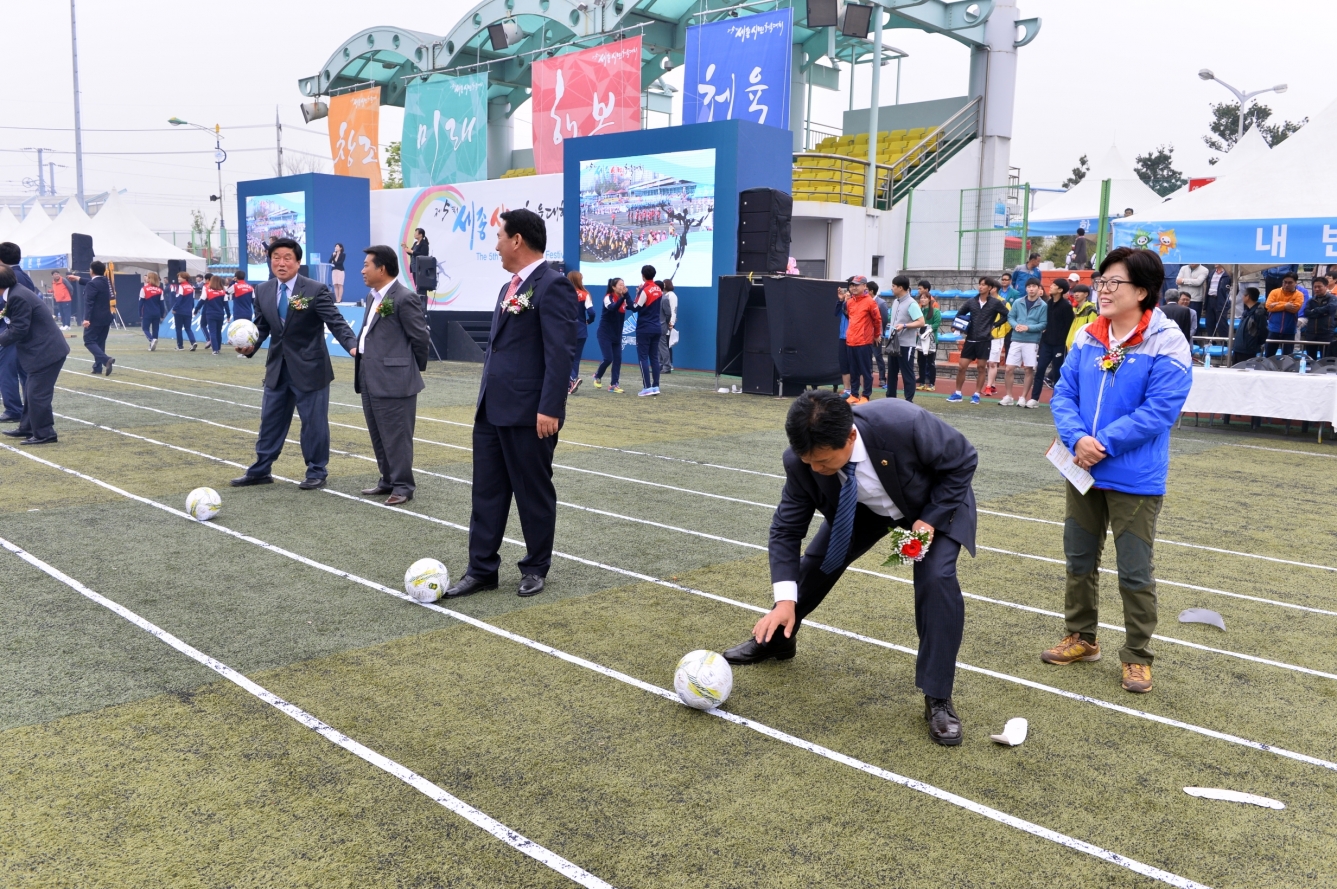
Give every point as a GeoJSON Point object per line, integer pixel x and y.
{"type": "Point", "coordinates": [126, 762]}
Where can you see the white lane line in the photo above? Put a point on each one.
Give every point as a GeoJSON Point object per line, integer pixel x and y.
{"type": "Point", "coordinates": [428, 789]}
{"type": "Point", "coordinates": [565, 441]}
{"type": "Point", "coordinates": [969, 805]}
{"type": "Point", "coordinates": [1212, 549]}
{"type": "Point", "coordinates": [1006, 677]}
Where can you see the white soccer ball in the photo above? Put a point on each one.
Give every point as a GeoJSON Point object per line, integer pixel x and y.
{"type": "Point", "coordinates": [203, 503]}
{"type": "Point", "coordinates": [703, 680]}
{"type": "Point", "coordinates": [242, 334]}
{"type": "Point", "coordinates": [426, 580]}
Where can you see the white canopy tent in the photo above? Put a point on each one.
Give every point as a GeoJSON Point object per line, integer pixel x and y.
{"type": "Point", "coordinates": [9, 224]}
{"type": "Point", "coordinates": [119, 236]}
{"type": "Point", "coordinates": [32, 225]}
{"type": "Point", "coordinates": [1246, 150]}
{"type": "Point", "coordinates": [1279, 207]}
{"type": "Point", "coordinates": [50, 248]}
{"type": "Point", "coordinates": [1080, 205]}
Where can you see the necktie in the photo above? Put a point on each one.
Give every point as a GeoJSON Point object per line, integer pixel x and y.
{"type": "Point", "coordinates": [515, 286]}
{"type": "Point", "coordinates": [283, 302]}
{"type": "Point", "coordinates": [838, 544]}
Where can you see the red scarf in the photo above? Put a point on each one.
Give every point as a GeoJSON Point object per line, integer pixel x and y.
{"type": "Point", "coordinates": [1100, 329]}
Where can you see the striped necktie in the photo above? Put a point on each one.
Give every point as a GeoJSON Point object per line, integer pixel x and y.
{"type": "Point", "coordinates": [842, 529]}
{"type": "Point", "coordinates": [283, 302]}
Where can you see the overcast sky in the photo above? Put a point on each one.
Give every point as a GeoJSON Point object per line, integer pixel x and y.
{"type": "Point", "coordinates": [1099, 71]}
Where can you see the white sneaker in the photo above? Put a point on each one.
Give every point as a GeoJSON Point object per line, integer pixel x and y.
{"type": "Point", "coordinates": [1006, 400]}
{"type": "Point", "coordinates": [1032, 403]}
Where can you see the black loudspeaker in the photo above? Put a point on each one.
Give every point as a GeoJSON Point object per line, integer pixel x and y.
{"type": "Point", "coordinates": [764, 216]}
{"type": "Point", "coordinates": [424, 272]}
{"type": "Point", "coordinates": [759, 374]}
{"type": "Point", "coordinates": [823, 13]}
{"type": "Point", "coordinates": [174, 268]}
{"type": "Point", "coordinates": [81, 252]}
{"type": "Point", "coordinates": [857, 20]}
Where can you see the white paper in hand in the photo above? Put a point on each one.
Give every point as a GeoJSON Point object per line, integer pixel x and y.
{"type": "Point", "coordinates": [1062, 458]}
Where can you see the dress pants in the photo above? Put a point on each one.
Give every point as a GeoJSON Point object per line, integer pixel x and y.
{"type": "Point", "coordinates": [665, 352]}
{"type": "Point", "coordinates": [95, 341]}
{"type": "Point", "coordinates": [149, 322]}
{"type": "Point", "coordinates": [276, 407]}
{"type": "Point", "coordinates": [511, 460]}
{"type": "Point", "coordinates": [183, 326]}
{"type": "Point", "coordinates": [38, 389]}
{"type": "Point", "coordinates": [940, 610]}
{"type": "Point", "coordinates": [1049, 355]}
{"type": "Point", "coordinates": [11, 381]}
{"type": "Point", "coordinates": [901, 359]}
{"type": "Point", "coordinates": [390, 422]}
{"type": "Point", "coordinates": [610, 345]}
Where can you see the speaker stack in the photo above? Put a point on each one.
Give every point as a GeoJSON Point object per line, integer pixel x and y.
{"type": "Point", "coordinates": [764, 216]}
{"type": "Point", "coordinates": [174, 268]}
{"type": "Point", "coordinates": [81, 253]}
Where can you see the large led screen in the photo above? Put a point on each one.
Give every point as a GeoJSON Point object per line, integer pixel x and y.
{"type": "Point", "coordinates": [268, 217]}
{"type": "Point", "coordinates": [653, 209]}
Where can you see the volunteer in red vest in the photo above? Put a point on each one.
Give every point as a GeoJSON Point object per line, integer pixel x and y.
{"type": "Point", "coordinates": [241, 293]}
{"type": "Point", "coordinates": [648, 330]}
{"type": "Point", "coordinates": [151, 308]}
{"type": "Point", "coordinates": [212, 309]}
{"type": "Point", "coordinates": [183, 306]}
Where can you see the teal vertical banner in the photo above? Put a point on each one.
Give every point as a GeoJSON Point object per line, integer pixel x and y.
{"type": "Point", "coordinates": [445, 131]}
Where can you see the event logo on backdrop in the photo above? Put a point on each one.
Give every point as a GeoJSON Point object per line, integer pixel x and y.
{"type": "Point", "coordinates": [739, 69]}
{"type": "Point", "coordinates": [445, 131]}
{"type": "Point", "coordinates": [585, 93]}
{"type": "Point", "coordinates": [656, 209]}
{"type": "Point", "coordinates": [461, 222]}
{"type": "Point", "coordinates": [355, 134]}
{"type": "Point", "coordinates": [272, 216]}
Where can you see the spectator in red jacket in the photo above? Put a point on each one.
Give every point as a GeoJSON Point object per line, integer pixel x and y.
{"type": "Point", "coordinates": [864, 329]}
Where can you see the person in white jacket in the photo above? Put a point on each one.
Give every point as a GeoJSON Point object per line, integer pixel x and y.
{"type": "Point", "coordinates": [1192, 279]}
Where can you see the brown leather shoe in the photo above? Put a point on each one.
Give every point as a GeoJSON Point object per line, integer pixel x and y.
{"type": "Point", "coordinates": [1071, 650]}
{"type": "Point", "coordinates": [376, 489]}
{"type": "Point", "coordinates": [396, 499]}
{"type": "Point", "coordinates": [1137, 678]}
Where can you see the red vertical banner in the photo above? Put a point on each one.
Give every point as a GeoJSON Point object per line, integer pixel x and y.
{"type": "Point", "coordinates": [585, 93]}
{"type": "Point", "coordinates": [354, 133]}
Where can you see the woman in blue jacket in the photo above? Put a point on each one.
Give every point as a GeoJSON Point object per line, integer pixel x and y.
{"type": "Point", "coordinates": [1121, 390]}
{"type": "Point", "coordinates": [183, 310]}
{"type": "Point", "coordinates": [583, 331]}
{"type": "Point", "coordinates": [610, 333]}
{"type": "Point", "coordinates": [213, 310]}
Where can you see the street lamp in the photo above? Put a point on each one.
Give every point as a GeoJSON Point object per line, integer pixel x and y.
{"type": "Point", "coordinates": [219, 156]}
{"type": "Point", "coordinates": [1206, 74]}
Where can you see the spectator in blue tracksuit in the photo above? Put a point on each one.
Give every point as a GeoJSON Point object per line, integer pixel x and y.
{"type": "Point", "coordinates": [583, 330]}
{"type": "Point", "coordinates": [1120, 392]}
{"type": "Point", "coordinates": [183, 309]}
{"type": "Point", "coordinates": [609, 333]}
{"type": "Point", "coordinates": [12, 377]}
{"type": "Point", "coordinates": [649, 328]}
{"type": "Point", "coordinates": [213, 311]}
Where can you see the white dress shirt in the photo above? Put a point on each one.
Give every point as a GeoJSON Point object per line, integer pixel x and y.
{"type": "Point", "coordinates": [375, 304]}
{"type": "Point", "coordinates": [871, 494]}
{"type": "Point", "coordinates": [525, 272]}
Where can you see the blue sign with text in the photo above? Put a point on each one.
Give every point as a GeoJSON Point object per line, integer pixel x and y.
{"type": "Point", "coordinates": [739, 69]}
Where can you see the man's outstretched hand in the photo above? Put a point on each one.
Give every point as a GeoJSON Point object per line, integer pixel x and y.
{"type": "Point", "coordinates": [781, 617]}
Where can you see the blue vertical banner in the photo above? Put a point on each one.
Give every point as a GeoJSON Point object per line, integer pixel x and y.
{"type": "Point", "coordinates": [445, 131]}
{"type": "Point", "coordinates": [739, 69]}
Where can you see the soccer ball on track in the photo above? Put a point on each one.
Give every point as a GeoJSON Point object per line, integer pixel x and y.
{"type": "Point", "coordinates": [703, 680]}
{"type": "Point", "coordinates": [242, 334]}
{"type": "Point", "coordinates": [203, 503]}
{"type": "Point", "coordinates": [426, 580]}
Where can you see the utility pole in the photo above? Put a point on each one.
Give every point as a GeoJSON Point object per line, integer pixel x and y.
{"type": "Point", "coordinates": [870, 180]}
{"type": "Point", "coordinates": [278, 137]}
{"type": "Point", "coordinates": [78, 124]}
{"type": "Point", "coordinates": [51, 180]}
{"type": "Point", "coordinates": [41, 179]}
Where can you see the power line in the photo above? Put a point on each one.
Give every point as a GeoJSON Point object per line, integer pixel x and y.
{"type": "Point", "coordinates": [259, 126]}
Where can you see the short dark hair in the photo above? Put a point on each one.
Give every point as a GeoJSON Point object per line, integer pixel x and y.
{"type": "Point", "coordinates": [1061, 284]}
{"type": "Point", "coordinates": [818, 419]}
{"type": "Point", "coordinates": [1251, 292]}
{"type": "Point", "coordinates": [1032, 256]}
{"type": "Point", "coordinates": [1035, 282]}
{"type": "Point", "coordinates": [10, 253]}
{"type": "Point", "coordinates": [384, 257]}
{"type": "Point", "coordinates": [872, 287]}
{"type": "Point", "coordinates": [529, 226]}
{"type": "Point", "coordinates": [241, 275]}
{"type": "Point", "coordinates": [926, 283]}
{"type": "Point", "coordinates": [1007, 275]}
{"type": "Point", "coordinates": [1144, 270]}
{"type": "Point", "coordinates": [292, 245]}
{"type": "Point", "coordinates": [7, 277]}
{"type": "Point", "coordinates": [991, 283]}
{"type": "Point", "coordinates": [1320, 279]}
{"type": "Point", "coordinates": [901, 281]}
{"type": "Point", "coordinates": [1080, 230]}
{"type": "Point", "coordinates": [1292, 276]}
{"type": "Point", "coordinates": [647, 273]}
{"type": "Point", "coordinates": [1081, 288]}
{"type": "Point", "coordinates": [97, 267]}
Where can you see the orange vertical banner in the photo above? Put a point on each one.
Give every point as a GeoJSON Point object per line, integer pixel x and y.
{"type": "Point", "coordinates": [355, 134]}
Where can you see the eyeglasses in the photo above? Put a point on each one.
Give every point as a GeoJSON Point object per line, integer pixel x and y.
{"type": "Point", "coordinates": [1107, 284]}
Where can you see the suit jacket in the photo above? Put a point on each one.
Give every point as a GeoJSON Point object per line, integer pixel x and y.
{"type": "Point", "coordinates": [97, 301]}
{"type": "Point", "coordinates": [925, 465]}
{"type": "Point", "coordinates": [397, 345]}
{"type": "Point", "coordinates": [1182, 316]}
{"type": "Point", "coordinates": [300, 345]}
{"type": "Point", "coordinates": [32, 330]}
{"type": "Point", "coordinates": [527, 366]}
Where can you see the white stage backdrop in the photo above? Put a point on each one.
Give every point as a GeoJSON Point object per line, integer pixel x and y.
{"type": "Point", "coordinates": [461, 222]}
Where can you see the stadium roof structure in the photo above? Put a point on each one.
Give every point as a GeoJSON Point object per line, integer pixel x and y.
{"type": "Point", "coordinates": [388, 57]}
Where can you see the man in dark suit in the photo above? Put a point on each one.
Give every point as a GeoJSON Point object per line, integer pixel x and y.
{"type": "Point", "coordinates": [391, 354]}
{"type": "Point", "coordinates": [865, 469]}
{"type": "Point", "coordinates": [97, 316]}
{"type": "Point", "coordinates": [11, 375]}
{"type": "Point", "coordinates": [33, 334]}
{"type": "Point", "coordinates": [293, 312]}
{"type": "Point", "coordinates": [521, 405]}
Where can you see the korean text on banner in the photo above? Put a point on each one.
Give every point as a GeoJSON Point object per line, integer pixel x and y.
{"type": "Point", "coordinates": [355, 134]}
{"type": "Point", "coordinates": [585, 93]}
{"type": "Point", "coordinates": [445, 131]}
{"type": "Point", "coordinates": [738, 69]}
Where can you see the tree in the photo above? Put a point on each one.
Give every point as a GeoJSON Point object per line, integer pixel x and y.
{"type": "Point", "coordinates": [297, 162]}
{"type": "Point", "coordinates": [1078, 172]}
{"type": "Point", "coordinates": [1226, 120]}
{"type": "Point", "coordinates": [394, 168]}
{"type": "Point", "coordinates": [1056, 250]}
{"type": "Point", "coordinates": [1156, 168]}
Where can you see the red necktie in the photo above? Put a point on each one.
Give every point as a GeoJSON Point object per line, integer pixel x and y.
{"type": "Point", "coordinates": [515, 286]}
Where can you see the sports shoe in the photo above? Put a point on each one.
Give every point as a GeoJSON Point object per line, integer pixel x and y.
{"type": "Point", "coordinates": [194, 346]}
{"type": "Point", "coordinates": [153, 345]}
{"type": "Point", "coordinates": [656, 390]}
{"type": "Point", "coordinates": [954, 398]}
{"type": "Point", "coordinates": [618, 389]}
{"type": "Point", "coordinates": [575, 384]}
{"type": "Point", "coordinates": [847, 395]}
{"type": "Point", "coordinates": [598, 383]}
{"type": "Point", "coordinates": [1070, 650]}
{"type": "Point", "coordinates": [990, 390]}
{"type": "Point", "coordinates": [1136, 678]}
{"type": "Point", "coordinates": [1031, 404]}
{"type": "Point", "coordinates": [180, 348]}
{"type": "Point", "coordinates": [1006, 401]}
{"type": "Point", "coordinates": [975, 399]}
{"type": "Point", "coordinates": [645, 393]}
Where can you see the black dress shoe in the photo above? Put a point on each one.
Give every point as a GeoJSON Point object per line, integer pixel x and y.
{"type": "Point", "coordinates": [107, 370]}
{"type": "Point", "coordinates": [8, 419]}
{"type": "Point", "coordinates": [467, 586]}
{"type": "Point", "coordinates": [530, 585]}
{"type": "Point", "coordinates": [376, 489]}
{"type": "Point", "coordinates": [245, 481]}
{"type": "Point", "coordinates": [311, 484]}
{"type": "Point", "coordinates": [943, 726]}
{"type": "Point", "coordinates": [14, 433]}
{"type": "Point", "coordinates": [750, 651]}
{"type": "Point", "coordinates": [397, 499]}
{"type": "Point", "coordinates": [37, 441]}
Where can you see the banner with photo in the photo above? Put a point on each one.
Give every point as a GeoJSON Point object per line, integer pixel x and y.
{"type": "Point", "coordinates": [355, 134]}
{"type": "Point", "coordinates": [739, 69]}
{"type": "Point", "coordinates": [584, 93]}
{"type": "Point", "coordinates": [461, 222]}
{"type": "Point", "coordinates": [445, 131]}
{"type": "Point", "coordinates": [268, 217]}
